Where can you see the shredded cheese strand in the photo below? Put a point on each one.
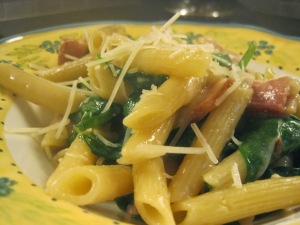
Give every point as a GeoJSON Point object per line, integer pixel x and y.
{"type": "Point", "coordinates": [68, 110]}
{"type": "Point", "coordinates": [170, 22]}
{"type": "Point", "coordinates": [236, 177]}
{"type": "Point", "coordinates": [103, 139]}
{"type": "Point", "coordinates": [172, 149]}
{"type": "Point", "coordinates": [235, 140]}
{"type": "Point", "coordinates": [36, 67]}
{"type": "Point", "coordinates": [203, 141]}
{"type": "Point", "coordinates": [36, 130]}
{"type": "Point", "coordinates": [118, 52]}
{"type": "Point", "coordinates": [122, 75]}
{"type": "Point", "coordinates": [113, 69]}
{"type": "Point", "coordinates": [73, 58]}
{"type": "Point", "coordinates": [83, 81]}
{"type": "Point", "coordinates": [24, 130]}
{"type": "Point", "coordinates": [178, 135]}
{"type": "Point", "coordinates": [227, 92]}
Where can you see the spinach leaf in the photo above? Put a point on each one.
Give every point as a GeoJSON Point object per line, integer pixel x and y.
{"type": "Point", "coordinates": [258, 146]}
{"type": "Point", "coordinates": [124, 201]}
{"type": "Point", "coordinates": [222, 59]}
{"type": "Point", "coordinates": [266, 140]}
{"type": "Point", "coordinates": [91, 114]}
{"type": "Point", "coordinates": [109, 151]}
{"type": "Point", "coordinates": [290, 137]}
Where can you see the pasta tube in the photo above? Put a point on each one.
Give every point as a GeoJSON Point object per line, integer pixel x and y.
{"type": "Point", "coordinates": [178, 62]}
{"type": "Point", "coordinates": [37, 90]}
{"type": "Point", "coordinates": [78, 154]}
{"type": "Point", "coordinates": [220, 175]}
{"type": "Point", "coordinates": [51, 143]}
{"type": "Point", "coordinates": [82, 185]}
{"type": "Point", "coordinates": [98, 37]}
{"type": "Point", "coordinates": [151, 195]}
{"type": "Point", "coordinates": [217, 130]}
{"type": "Point", "coordinates": [131, 153]}
{"type": "Point", "coordinates": [231, 204]}
{"type": "Point", "coordinates": [67, 71]}
{"type": "Point", "coordinates": [79, 181]}
{"type": "Point", "coordinates": [103, 83]}
{"type": "Point", "coordinates": [159, 104]}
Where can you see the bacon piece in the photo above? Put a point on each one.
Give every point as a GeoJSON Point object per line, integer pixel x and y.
{"type": "Point", "coordinates": [74, 48]}
{"type": "Point", "coordinates": [271, 96]}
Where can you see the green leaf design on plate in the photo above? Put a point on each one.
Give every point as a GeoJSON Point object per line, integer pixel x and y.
{"type": "Point", "coordinates": [10, 62]}
{"type": "Point", "coordinates": [5, 186]}
{"type": "Point", "coordinates": [51, 47]}
{"type": "Point", "coordinates": [263, 47]}
{"type": "Point", "coordinates": [25, 51]}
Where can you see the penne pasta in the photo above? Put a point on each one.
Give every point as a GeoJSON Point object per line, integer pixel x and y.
{"type": "Point", "coordinates": [131, 152]}
{"type": "Point", "coordinates": [51, 143]}
{"type": "Point", "coordinates": [220, 176]}
{"type": "Point", "coordinates": [39, 91]}
{"type": "Point", "coordinates": [217, 130]}
{"type": "Point", "coordinates": [159, 104]}
{"type": "Point", "coordinates": [177, 62]}
{"type": "Point", "coordinates": [67, 71]}
{"type": "Point", "coordinates": [232, 204]}
{"type": "Point", "coordinates": [97, 38]}
{"type": "Point", "coordinates": [99, 76]}
{"type": "Point", "coordinates": [83, 185]}
{"type": "Point", "coordinates": [151, 195]}
{"type": "Point", "coordinates": [78, 154]}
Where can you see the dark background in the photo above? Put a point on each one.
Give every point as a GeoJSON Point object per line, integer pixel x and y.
{"type": "Point", "coordinates": [17, 16]}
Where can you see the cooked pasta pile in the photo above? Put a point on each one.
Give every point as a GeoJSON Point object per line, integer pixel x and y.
{"type": "Point", "coordinates": [175, 133]}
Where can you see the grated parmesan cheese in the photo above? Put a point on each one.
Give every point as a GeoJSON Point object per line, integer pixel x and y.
{"type": "Point", "coordinates": [35, 131]}
{"type": "Point", "coordinates": [235, 140]}
{"type": "Point", "coordinates": [113, 70]}
{"type": "Point", "coordinates": [116, 47]}
{"type": "Point", "coordinates": [122, 75]}
{"type": "Point", "coordinates": [84, 81]}
{"type": "Point", "coordinates": [71, 57]}
{"type": "Point", "coordinates": [178, 135]}
{"type": "Point", "coordinates": [153, 91]}
{"type": "Point", "coordinates": [68, 110]}
{"type": "Point", "coordinates": [206, 146]}
{"type": "Point", "coordinates": [36, 67]}
{"type": "Point", "coordinates": [229, 90]}
{"type": "Point", "coordinates": [236, 177]}
{"type": "Point", "coordinates": [170, 22]}
{"type": "Point", "coordinates": [171, 149]}
{"type": "Point", "coordinates": [103, 139]}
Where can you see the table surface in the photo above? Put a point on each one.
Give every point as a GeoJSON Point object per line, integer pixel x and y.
{"type": "Point", "coordinates": [18, 16]}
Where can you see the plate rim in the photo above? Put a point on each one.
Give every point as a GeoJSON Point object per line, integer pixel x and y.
{"type": "Point", "coordinates": [159, 22]}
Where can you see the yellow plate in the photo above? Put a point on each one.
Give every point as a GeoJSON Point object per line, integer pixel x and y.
{"type": "Point", "coordinates": [23, 168]}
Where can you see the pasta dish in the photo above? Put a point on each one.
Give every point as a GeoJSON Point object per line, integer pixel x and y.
{"type": "Point", "coordinates": [173, 132]}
